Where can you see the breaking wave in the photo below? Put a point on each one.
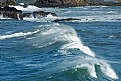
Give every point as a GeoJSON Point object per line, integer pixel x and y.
{"type": "Point", "coordinates": [65, 40]}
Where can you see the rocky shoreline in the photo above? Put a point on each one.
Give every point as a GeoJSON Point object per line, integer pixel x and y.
{"type": "Point", "coordinates": [11, 12]}
{"type": "Point", "coordinates": [74, 3]}
{"type": "Point", "coordinates": [60, 3]}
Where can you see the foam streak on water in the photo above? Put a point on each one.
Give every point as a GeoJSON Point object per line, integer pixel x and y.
{"type": "Point", "coordinates": [16, 35]}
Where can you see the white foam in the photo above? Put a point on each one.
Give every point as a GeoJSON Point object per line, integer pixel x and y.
{"type": "Point", "coordinates": [50, 31]}
{"type": "Point", "coordinates": [91, 69]}
{"type": "Point", "coordinates": [28, 8]}
{"type": "Point", "coordinates": [32, 19]}
{"type": "Point", "coordinates": [1, 17]}
{"type": "Point", "coordinates": [49, 18]}
{"type": "Point", "coordinates": [106, 69]}
{"type": "Point", "coordinates": [76, 43]}
{"type": "Point", "coordinates": [16, 35]}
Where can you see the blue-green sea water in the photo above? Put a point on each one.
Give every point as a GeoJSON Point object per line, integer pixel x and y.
{"type": "Point", "coordinates": [38, 49]}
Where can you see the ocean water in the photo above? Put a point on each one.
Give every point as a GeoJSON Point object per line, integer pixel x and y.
{"type": "Point", "coordinates": [38, 49]}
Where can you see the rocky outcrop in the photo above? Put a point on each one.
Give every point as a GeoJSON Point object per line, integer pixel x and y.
{"type": "Point", "coordinates": [7, 2]}
{"type": "Point", "coordinates": [73, 3]}
{"type": "Point", "coordinates": [11, 12]}
{"type": "Point", "coordinates": [38, 14]}
{"type": "Point", "coordinates": [11, 2]}
{"type": "Point", "coordinates": [60, 3]}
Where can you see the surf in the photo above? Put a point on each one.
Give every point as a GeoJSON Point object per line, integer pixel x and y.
{"type": "Point", "coordinates": [63, 37]}
{"type": "Point", "coordinates": [66, 38]}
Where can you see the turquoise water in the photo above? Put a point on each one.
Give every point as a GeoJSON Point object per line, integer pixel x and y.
{"type": "Point", "coordinates": [37, 49]}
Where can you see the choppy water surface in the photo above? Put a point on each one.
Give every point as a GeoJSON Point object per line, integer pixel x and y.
{"type": "Point", "coordinates": [41, 50]}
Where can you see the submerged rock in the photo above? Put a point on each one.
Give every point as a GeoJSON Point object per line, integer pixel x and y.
{"type": "Point", "coordinates": [11, 12]}
{"type": "Point", "coordinates": [68, 19]}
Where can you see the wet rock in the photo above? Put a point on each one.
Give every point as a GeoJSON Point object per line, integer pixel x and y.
{"type": "Point", "coordinates": [11, 12]}
{"type": "Point", "coordinates": [7, 2]}
{"type": "Point", "coordinates": [39, 14]}
{"type": "Point", "coordinates": [27, 15]}
{"type": "Point", "coordinates": [11, 2]}
{"type": "Point", "coordinates": [68, 19]}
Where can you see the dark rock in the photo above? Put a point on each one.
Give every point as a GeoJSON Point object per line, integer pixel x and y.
{"type": "Point", "coordinates": [27, 14]}
{"type": "Point", "coordinates": [60, 3]}
{"type": "Point", "coordinates": [11, 12]}
{"type": "Point", "coordinates": [115, 19]}
{"type": "Point", "coordinates": [11, 2]}
{"type": "Point", "coordinates": [8, 9]}
{"type": "Point", "coordinates": [73, 3]}
{"type": "Point", "coordinates": [68, 19]}
{"type": "Point", "coordinates": [7, 2]}
{"type": "Point", "coordinates": [104, 4]}
{"type": "Point", "coordinates": [39, 14]}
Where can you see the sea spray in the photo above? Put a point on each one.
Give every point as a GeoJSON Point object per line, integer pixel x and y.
{"type": "Point", "coordinates": [76, 43]}
{"type": "Point", "coordinates": [106, 69]}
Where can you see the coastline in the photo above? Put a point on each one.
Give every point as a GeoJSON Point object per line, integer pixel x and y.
{"type": "Point", "coordinates": [75, 4]}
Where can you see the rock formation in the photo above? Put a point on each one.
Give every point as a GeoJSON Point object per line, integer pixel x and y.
{"type": "Point", "coordinates": [73, 3]}
{"type": "Point", "coordinates": [7, 2]}
{"type": "Point", "coordinates": [38, 14]}
{"type": "Point", "coordinates": [11, 12]}
{"type": "Point", "coordinates": [60, 3]}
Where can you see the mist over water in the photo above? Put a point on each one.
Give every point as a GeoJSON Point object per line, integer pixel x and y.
{"type": "Point", "coordinates": [83, 50]}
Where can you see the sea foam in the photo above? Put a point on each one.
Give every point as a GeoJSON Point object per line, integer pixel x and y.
{"type": "Point", "coordinates": [16, 35]}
